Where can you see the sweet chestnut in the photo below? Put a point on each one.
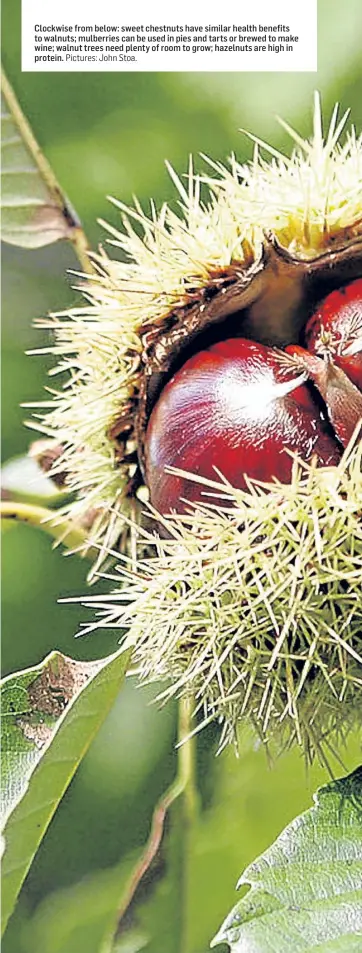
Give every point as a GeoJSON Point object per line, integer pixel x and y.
{"type": "Point", "coordinates": [234, 408]}
{"type": "Point", "coordinates": [225, 342]}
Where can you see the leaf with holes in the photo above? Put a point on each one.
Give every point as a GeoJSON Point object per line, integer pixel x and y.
{"type": "Point", "coordinates": [51, 713]}
{"type": "Point", "coordinates": [306, 889]}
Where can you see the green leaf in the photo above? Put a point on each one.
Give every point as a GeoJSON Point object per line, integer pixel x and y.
{"type": "Point", "coordinates": [51, 713]}
{"type": "Point", "coordinates": [306, 889]}
{"type": "Point", "coordinates": [32, 214]}
{"type": "Point", "coordinates": [35, 210]}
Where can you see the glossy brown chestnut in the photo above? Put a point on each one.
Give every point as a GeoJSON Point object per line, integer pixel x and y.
{"type": "Point", "coordinates": [233, 407]}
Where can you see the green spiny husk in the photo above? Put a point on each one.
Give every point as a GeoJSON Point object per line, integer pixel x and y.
{"type": "Point", "coordinates": [256, 610]}
{"type": "Point", "coordinates": [221, 242]}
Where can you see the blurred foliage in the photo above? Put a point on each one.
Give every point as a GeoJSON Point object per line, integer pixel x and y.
{"type": "Point", "coordinates": [109, 134]}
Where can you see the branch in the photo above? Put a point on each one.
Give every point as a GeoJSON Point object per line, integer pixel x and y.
{"type": "Point", "coordinates": [62, 531]}
{"type": "Point", "coordinates": [184, 785]}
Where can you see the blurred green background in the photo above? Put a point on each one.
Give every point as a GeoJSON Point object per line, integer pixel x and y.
{"type": "Point", "coordinates": [109, 134]}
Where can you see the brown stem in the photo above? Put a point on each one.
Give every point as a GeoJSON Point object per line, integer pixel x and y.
{"type": "Point", "coordinates": [184, 784]}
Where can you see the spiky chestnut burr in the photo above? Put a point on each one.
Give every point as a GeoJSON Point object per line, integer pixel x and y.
{"type": "Point", "coordinates": [272, 239]}
{"type": "Point", "coordinates": [253, 606]}
{"type": "Point", "coordinates": [254, 263]}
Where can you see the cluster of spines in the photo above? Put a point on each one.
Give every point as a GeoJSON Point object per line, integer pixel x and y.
{"type": "Point", "coordinates": [255, 611]}
{"type": "Point", "coordinates": [303, 200]}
